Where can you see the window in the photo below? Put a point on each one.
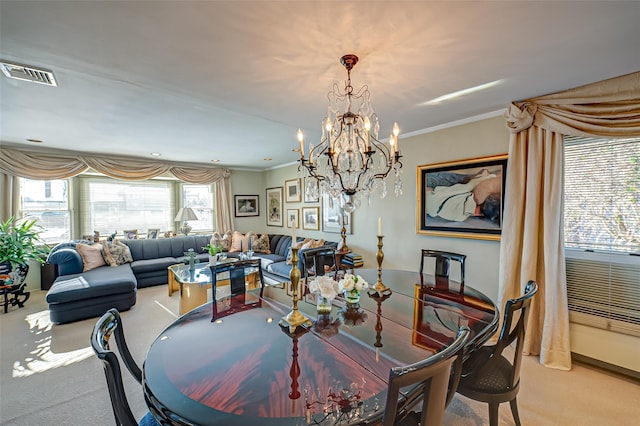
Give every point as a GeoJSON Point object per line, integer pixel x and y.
{"type": "Point", "coordinates": [602, 194]}
{"type": "Point", "coordinates": [200, 199]}
{"type": "Point", "coordinates": [109, 205]}
{"type": "Point", "coordinates": [602, 232]}
{"type": "Point", "coordinates": [47, 201]}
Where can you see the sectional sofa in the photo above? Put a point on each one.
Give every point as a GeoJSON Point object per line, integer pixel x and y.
{"type": "Point", "coordinates": [77, 294]}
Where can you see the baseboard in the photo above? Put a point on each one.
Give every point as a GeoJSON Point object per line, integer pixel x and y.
{"type": "Point", "coordinates": [605, 365]}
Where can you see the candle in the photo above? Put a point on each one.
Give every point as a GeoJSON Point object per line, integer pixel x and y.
{"type": "Point", "coordinates": [379, 226]}
{"type": "Point", "coordinates": [293, 233]}
{"type": "Point", "coordinates": [301, 141]}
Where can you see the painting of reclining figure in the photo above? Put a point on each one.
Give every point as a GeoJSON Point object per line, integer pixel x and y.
{"type": "Point", "coordinates": [462, 198]}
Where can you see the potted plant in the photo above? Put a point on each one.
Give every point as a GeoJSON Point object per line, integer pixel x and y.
{"type": "Point", "coordinates": [214, 251]}
{"type": "Point", "coordinates": [20, 243]}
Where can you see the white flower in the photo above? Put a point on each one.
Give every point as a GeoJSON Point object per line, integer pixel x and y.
{"type": "Point", "coordinates": [352, 282]}
{"type": "Point", "coordinates": [325, 286]}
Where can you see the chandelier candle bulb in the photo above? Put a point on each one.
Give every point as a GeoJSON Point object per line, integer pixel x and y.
{"type": "Point", "coordinates": [301, 141]}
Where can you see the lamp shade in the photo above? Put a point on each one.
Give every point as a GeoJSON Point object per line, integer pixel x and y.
{"type": "Point", "coordinates": [185, 213]}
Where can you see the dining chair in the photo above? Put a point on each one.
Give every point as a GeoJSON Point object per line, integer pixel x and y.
{"type": "Point", "coordinates": [433, 375]}
{"type": "Point", "coordinates": [108, 324]}
{"type": "Point", "coordinates": [490, 376]}
{"type": "Point", "coordinates": [238, 274]}
{"type": "Point", "coordinates": [443, 265]}
{"type": "Point", "coordinates": [319, 261]}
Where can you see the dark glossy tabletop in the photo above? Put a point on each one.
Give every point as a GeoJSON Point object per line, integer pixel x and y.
{"type": "Point", "coordinates": [246, 369]}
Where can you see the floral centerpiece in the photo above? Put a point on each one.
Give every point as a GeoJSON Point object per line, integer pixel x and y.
{"type": "Point", "coordinates": [326, 289]}
{"type": "Point", "coordinates": [351, 285]}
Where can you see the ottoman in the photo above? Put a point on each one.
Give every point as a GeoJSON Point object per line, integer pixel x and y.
{"type": "Point", "coordinates": [90, 294]}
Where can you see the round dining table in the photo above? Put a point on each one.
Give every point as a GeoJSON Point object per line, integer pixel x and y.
{"type": "Point", "coordinates": [247, 369]}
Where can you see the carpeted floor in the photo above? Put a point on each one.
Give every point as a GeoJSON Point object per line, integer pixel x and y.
{"type": "Point", "coordinates": [50, 376]}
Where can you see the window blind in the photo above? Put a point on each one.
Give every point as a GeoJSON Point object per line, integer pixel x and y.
{"type": "Point", "coordinates": [602, 232]}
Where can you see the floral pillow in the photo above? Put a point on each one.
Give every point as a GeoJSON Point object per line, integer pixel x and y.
{"type": "Point", "coordinates": [116, 253]}
{"type": "Point", "coordinates": [223, 240]}
{"type": "Point", "coordinates": [260, 244]}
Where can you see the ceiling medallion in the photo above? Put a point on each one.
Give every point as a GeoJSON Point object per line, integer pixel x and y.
{"type": "Point", "coordinates": [350, 162]}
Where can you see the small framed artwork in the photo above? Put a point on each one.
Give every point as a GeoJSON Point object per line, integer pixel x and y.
{"type": "Point", "coordinates": [246, 205]}
{"type": "Point", "coordinates": [311, 218]}
{"type": "Point", "coordinates": [463, 199]}
{"type": "Point", "coordinates": [274, 206]}
{"type": "Point", "coordinates": [293, 215]}
{"type": "Point", "coordinates": [152, 233]}
{"type": "Point", "coordinates": [311, 187]}
{"type": "Point", "coordinates": [333, 216]}
{"type": "Point", "coordinates": [130, 234]}
{"type": "Point", "coordinates": [292, 190]}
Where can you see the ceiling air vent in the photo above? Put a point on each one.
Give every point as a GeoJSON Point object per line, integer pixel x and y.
{"type": "Point", "coordinates": [28, 73]}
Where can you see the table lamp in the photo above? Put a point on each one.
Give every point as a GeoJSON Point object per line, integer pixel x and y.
{"type": "Point", "coordinates": [185, 214]}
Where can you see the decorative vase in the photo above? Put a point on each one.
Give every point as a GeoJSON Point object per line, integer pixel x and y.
{"type": "Point", "coordinates": [213, 259]}
{"type": "Point", "coordinates": [323, 305]}
{"type": "Point", "coordinates": [352, 296]}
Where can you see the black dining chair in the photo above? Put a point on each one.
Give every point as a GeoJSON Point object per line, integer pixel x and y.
{"type": "Point", "coordinates": [319, 261]}
{"type": "Point", "coordinates": [443, 265]}
{"type": "Point", "coordinates": [108, 324]}
{"type": "Point", "coordinates": [433, 375]}
{"type": "Point", "coordinates": [238, 274]}
{"type": "Point", "coordinates": [490, 376]}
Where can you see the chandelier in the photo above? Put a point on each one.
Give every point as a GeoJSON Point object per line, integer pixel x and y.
{"type": "Point", "coordinates": [350, 162]}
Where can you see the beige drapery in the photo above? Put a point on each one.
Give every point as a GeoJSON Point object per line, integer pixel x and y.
{"type": "Point", "coordinates": [533, 235]}
{"type": "Point", "coordinates": [40, 165]}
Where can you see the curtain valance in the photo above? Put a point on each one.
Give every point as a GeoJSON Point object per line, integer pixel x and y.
{"type": "Point", "coordinates": [607, 108]}
{"type": "Point", "coordinates": [35, 165]}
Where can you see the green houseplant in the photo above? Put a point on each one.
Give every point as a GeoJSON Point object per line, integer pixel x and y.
{"type": "Point", "coordinates": [20, 243]}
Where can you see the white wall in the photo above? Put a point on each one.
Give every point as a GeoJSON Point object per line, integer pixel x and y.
{"type": "Point", "coordinates": [402, 244]}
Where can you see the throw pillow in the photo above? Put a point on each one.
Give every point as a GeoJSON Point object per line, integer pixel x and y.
{"type": "Point", "coordinates": [239, 242]}
{"type": "Point", "coordinates": [306, 243]}
{"type": "Point", "coordinates": [223, 240]}
{"type": "Point", "coordinates": [317, 243]}
{"type": "Point", "coordinates": [91, 256]}
{"type": "Point", "coordinates": [107, 255]}
{"type": "Point", "coordinates": [260, 244]}
{"type": "Point", "coordinates": [123, 253]}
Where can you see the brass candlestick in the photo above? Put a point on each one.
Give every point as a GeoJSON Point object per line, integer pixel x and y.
{"type": "Point", "coordinates": [379, 286]}
{"type": "Point", "coordinates": [343, 234]}
{"type": "Point", "coordinates": [294, 318]}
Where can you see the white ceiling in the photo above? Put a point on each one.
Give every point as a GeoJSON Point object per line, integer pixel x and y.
{"type": "Point", "coordinates": [233, 80]}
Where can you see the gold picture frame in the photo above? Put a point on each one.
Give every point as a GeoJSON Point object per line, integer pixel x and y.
{"type": "Point", "coordinates": [463, 199]}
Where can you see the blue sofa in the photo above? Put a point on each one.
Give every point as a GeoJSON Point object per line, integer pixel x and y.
{"type": "Point", "coordinates": [77, 295]}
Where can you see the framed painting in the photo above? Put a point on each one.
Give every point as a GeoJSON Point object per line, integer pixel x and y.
{"type": "Point", "coordinates": [274, 206]}
{"type": "Point", "coordinates": [333, 216]}
{"type": "Point", "coordinates": [311, 183]}
{"type": "Point", "coordinates": [463, 198]}
{"type": "Point", "coordinates": [130, 234]}
{"type": "Point", "coordinates": [293, 215]}
{"type": "Point", "coordinates": [152, 233]}
{"type": "Point", "coordinates": [246, 205]}
{"type": "Point", "coordinates": [311, 218]}
{"type": "Point", "coordinates": [292, 191]}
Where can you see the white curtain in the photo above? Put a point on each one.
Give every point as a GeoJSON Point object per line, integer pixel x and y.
{"type": "Point", "coordinates": [532, 237]}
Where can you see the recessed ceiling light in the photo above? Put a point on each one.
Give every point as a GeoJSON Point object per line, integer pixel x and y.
{"type": "Point", "coordinates": [267, 158]}
{"type": "Point", "coordinates": [34, 140]}
{"type": "Point", "coordinates": [155, 154]}
{"type": "Point", "coordinates": [215, 161]}
{"type": "Point", "coordinates": [462, 92]}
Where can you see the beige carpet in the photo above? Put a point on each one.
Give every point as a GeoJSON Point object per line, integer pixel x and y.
{"type": "Point", "coordinates": [50, 376]}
